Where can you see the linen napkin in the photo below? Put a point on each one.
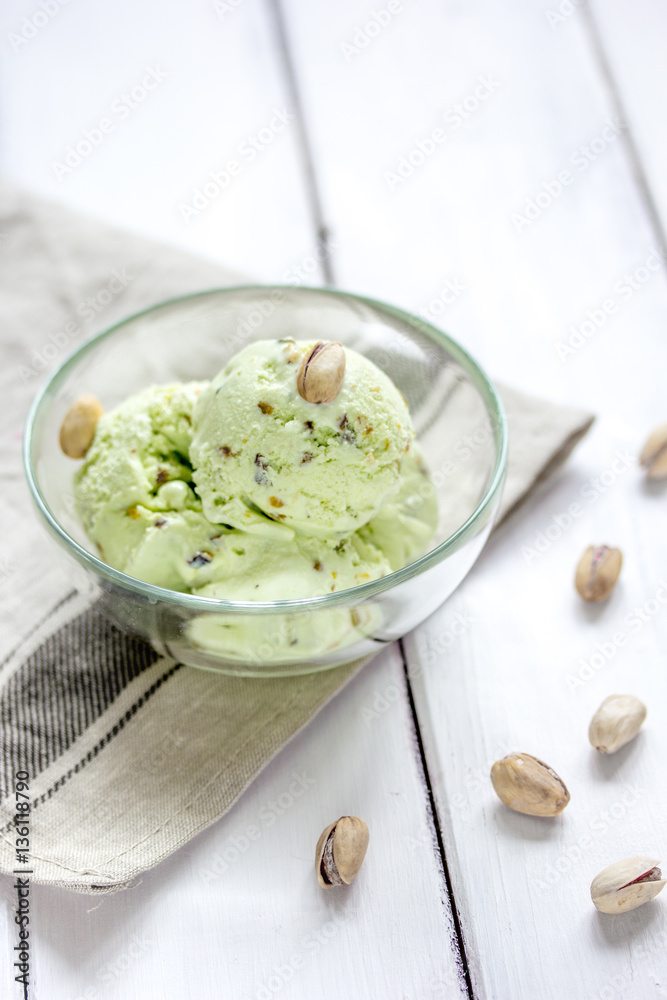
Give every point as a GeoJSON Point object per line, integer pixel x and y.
{"type": "Point", "coordinates": [130, 754]}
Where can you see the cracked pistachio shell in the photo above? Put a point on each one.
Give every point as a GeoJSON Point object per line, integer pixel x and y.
{"type": "Point", "coordinates": [340, 851]}
{"type": "Point", "coordinates": [627, 884]}
{"type": "Point", "coordinates": [528, 785]}
{"type": "Point", "coordinates": [78, 427]}
{"type": "Point", "coordinates": [321, 374]}
{"type": "Point", "coordinates": [653, 455]}
{"type": "Point", "coordinates": [617, 721]}
{"type": "Point", "coordinates": [598, 571]}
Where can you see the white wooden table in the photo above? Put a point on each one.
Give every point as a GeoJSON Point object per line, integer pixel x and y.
{"type": "Point", "coordinates": [502, 169]}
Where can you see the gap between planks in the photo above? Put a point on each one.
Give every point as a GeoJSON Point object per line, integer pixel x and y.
{"type": "Point", "coordinates": [457, 937]}
{"type": "Point", "coordinates": [323, 237]}
{"type": "Point", "coordinates": [313, 196]}
{"type": "Point", "coordinates": [627, 136]}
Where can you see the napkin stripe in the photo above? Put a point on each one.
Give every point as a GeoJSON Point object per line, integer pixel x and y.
{"type": "Point", "coordinates": [38, 625]}
{"type": "Point", "coordinates": [108, 736]}
{"type": "Point", "coordinates": [64, 686]}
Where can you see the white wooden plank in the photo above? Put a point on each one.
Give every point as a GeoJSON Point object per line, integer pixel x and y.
{"type": "Point", "coordinates": [633, 43]}
{"type": "Point", "coordinates": [7, 936]}
{"type": "Point", "coordinates": [529, 926]}
{"type": "Point", "coordinates": [238, 912]}
{"type": "Point", "coordinates": [456, 217]}
{"type": "Point", "coordinates": [217, 103]}
{"type": "Point", "coordinates": [528, 674]}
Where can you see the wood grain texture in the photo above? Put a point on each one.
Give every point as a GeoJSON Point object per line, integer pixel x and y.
{"type": "Point", "coordinates": [498, 668]}
{"type": "Point", "coordinates": [238, 912]}
{"type": "Point", "coordinates": [479, 237]}
{"type": "Point", "coordinates": [220, 83]}
{"type": "Point", "coordinates": [453, 240]}
{"type": "Point", "coordinates": [630, 44]}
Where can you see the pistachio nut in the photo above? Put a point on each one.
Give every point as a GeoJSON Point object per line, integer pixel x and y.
{"type": "Point", "coordinates": [617, 721]}
{"type": "Point", "coordinates": [528, 785]}
{"type": "Point", "coordinates": [78, 427]}
{"type": "Point", "coordinates": [321, 373]}
{"type": "Point", "coordinates": [626, 885]}
{"type": "Point", "coordinates": [653, 455]}
{"type": "Point", "coordinates": [340, 851]}
{"type": "Point", "coordinates": [597, 572]}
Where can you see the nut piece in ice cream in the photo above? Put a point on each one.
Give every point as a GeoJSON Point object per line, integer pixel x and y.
{"type": "Point", "coordinates": [617, 721]}
{"type": "Point", "coordinates": [322, 372]}
{"type": "Point", "coordinates": [597, 572]}
{"type": "Point", "coordinates": [528, 785]}
{"type": "Point", "coordinates": [653, 455]}
{"type": "Point", "coordinates": [626, 885]}
{"type": "Point", "coordinates": [78, 428]}
{"type": "Point", "coordinates": [340, 851]}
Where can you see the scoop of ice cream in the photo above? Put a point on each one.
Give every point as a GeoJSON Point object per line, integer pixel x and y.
{"type": "Point", "coordinates": [250, 567]}
{"type": "Point", "coordinates": [405, 525]}
{"type": "Point", "coordinates": [325, 469]}
{"type": "Point", "coordinates": [139, 446]}
{"type": "Point", "coordinates": [255, 640]}
{"type": "Point", "coordinates": [175, 549]}
{"type": "Point", "coordinates": [133, 492]}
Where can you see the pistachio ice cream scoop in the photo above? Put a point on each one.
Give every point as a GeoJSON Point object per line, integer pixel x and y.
{"type": "Point", "coordinates": [323, 468]}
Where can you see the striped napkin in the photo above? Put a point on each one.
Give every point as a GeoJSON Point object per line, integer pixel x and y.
{"type": "Point", "coordinates": [108, 732]}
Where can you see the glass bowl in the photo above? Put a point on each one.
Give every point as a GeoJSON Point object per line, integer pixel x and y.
{"type": "Point", "coordinates": [460, 425]}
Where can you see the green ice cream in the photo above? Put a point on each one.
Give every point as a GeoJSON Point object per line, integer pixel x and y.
{"type": "Point", "coordinates": [134, 490]}
{"type": "Point", "coordinates": [323, 469]}
{"type": "Point", "coordinates": [173, 492]}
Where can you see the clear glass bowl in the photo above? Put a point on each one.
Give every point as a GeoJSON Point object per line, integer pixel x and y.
{"type": "Point", "coordinates": [459, 421]}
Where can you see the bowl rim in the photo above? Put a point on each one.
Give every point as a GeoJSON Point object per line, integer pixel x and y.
{"type": "Point", "coordinates": [195, 602]}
